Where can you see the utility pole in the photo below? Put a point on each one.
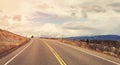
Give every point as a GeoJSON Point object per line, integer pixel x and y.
{"type": "Point", "coordinates": [61, 38]}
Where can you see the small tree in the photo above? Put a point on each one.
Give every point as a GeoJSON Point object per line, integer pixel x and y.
{"type": "Point", "coordinates": [32, 36]}
{"type": "Point", "coordinates": [87, 41]}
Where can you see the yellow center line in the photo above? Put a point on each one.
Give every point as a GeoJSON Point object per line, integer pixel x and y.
{"type": "Point", "coordinates": [61, 61]}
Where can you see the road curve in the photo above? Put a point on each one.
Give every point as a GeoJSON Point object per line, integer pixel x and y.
{"type": "Point", "coordinates": [50, 52]}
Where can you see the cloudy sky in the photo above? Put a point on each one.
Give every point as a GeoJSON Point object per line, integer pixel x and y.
{"type": "Point", "coordinates": [56, 18]}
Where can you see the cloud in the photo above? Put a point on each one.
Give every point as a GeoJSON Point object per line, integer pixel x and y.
{"type": "Point", "coordinates": [55, 18]}
{"type": "Point", "coordinates": [115, 6]}
{"type": "Point", "coordinates": [93, 27]}
{"type": "Point", "coordinates": [43, 6]}
{"type": "Point", "coordinates": [77, 26]}
{"type": "Point", "coordinates": [4, 21]}
{"type": "Point", "coordinates": [37, 29]}
{"type": "Point", "coordinates": [42, 15]}
{"type": "Point", "coordinates": [17, 18]}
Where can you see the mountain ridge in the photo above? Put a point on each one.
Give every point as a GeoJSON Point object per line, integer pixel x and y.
{"type": "Point", "coordinates": [96, 37]}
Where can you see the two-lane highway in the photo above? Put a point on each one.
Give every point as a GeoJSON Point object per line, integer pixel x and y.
{"type": "Point", "coordinates": [50, 52]}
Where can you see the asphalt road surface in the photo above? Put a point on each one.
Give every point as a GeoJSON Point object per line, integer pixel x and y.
{"type": "Point", "coordinates": [51, 52]}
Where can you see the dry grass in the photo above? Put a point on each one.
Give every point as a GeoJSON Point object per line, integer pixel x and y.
{"type": "Point", "coordinates": [10, 40]}
{"type": "Point", "coordinates": [95, 47]}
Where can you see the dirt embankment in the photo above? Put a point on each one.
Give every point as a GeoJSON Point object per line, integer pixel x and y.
{"type": "Point", "coordinates": [10, 40]}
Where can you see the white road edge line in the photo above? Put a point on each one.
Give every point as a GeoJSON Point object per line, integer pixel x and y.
{"type": "Point", "coordinates": [17, 54]}
{"type": "Point", "coordinates": [94, 55]}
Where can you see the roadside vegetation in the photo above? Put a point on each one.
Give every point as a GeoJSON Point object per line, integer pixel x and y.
{"type": "Point", "coordinates": [103, 46]}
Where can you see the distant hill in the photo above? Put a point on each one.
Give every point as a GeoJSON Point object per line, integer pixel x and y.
{"type": "Point", "coordinates": [98, 37]}
{"type": "Point", "coordinates": [10, 40]}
